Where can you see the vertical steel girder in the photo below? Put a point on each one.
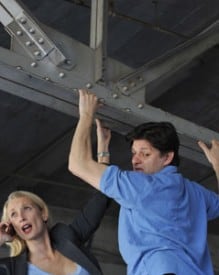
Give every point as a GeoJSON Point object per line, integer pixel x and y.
{"type": "Point", "coordinates": [98, 39]}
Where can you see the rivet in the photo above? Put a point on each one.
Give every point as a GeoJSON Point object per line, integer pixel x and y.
{"type": "Point", "coordinates": [28, 43]}
{"type": "Point", "coordinates": [101, 100]}
{"type": "Point", "coordinates": [23, 20]}
{"type": "Point", "coordinates": [61, 74]}
{"type": "Point", "coordinates": [47, 78]}
{"type": "Point", "coordinates": [37, 53]}
{"type": "Point", "coordinates": [128, 110]}
{"type": "Point", "coordinates": [32, 30]}
{"type": "Point", "coordinates": [125, 88]}
{"type": "Point", "coordinates": [19, 33]}
{"type": "Point", "coordinates": [140, 105]}
{"type": "Point", "coordinates": [41, 40]}
{"type": "Point", "coordinates": [19, 68]}
{"type": "Point", "coordinates": [68, 61]}
{"type": "Point", "coordinates": [115, 96]}
{"type": "Point", "coordinates": [88, 85]}
{"type": "Point", "coordinates": [33, 64]}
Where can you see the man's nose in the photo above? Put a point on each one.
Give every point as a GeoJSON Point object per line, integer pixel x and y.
{"type": "Point", "coordinates": [135, 159]}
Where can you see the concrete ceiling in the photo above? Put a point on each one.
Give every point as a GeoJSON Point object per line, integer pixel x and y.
{"type": "Point", "coordinates": [147, 60]}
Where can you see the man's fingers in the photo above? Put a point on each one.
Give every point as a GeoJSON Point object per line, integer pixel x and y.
{"type": "Point", "coordinates": [202, 145]}
{"type": "Point", "coordinates": [98, 123]}
{"type": "Point", "coordinates": [204, 148]}
{"type": "Point", "coordinates": [215, 143]}
{"type": "Point", "coordinates": [81, 92]}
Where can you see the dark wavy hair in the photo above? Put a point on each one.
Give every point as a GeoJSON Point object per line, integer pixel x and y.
{"type": "Point", "coordinates": [161, 135]}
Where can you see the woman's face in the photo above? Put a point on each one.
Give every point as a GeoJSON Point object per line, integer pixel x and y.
{"type": "Point", "coordinates": [26, 218]}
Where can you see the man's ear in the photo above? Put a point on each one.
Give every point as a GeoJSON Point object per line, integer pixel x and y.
{"type": "Point", "coordinates": [169, 157]}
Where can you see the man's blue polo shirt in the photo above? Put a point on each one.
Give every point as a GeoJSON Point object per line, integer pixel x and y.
{"type": "Point", "coordinates": [162, 222]}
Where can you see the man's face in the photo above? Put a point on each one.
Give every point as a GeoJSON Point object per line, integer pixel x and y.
{"type": "Point", "coordinates": [147, 159]}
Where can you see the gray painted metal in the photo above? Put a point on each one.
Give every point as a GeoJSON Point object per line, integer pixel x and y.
{"type": "Point", "coordinates": [47, 84]}
{"type": "Point", "coordinates": [165, 68]}
{"type": "Point", "coordinates": [99, 10]}
{"type": "Point", "coordinates": [122, 113]}
{"type": "Point", "coordinates": [28, 33]}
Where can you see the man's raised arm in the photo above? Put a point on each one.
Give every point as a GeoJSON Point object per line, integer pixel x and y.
{"type": "Point", "coordinates": [81, 162]}
{"type": "Point", "coordinates": [212, 154]}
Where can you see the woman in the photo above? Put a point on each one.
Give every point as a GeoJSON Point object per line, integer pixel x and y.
{"type": "Point", "coordinates": [37, 249]}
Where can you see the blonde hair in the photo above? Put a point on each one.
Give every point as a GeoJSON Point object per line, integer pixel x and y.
{"type": "Point", "coordinates": [18, 245]}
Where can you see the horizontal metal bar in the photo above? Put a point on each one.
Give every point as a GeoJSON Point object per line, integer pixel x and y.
{"type": "Point", "coordinates": [122, 113]}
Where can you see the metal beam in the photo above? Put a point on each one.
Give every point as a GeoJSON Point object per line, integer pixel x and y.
{"type": "Point", "coordinates": [98, 36]}
{"type": "Point", "coordinates": [28, 33]}
{"type": "Point", "coordinates": [47, 84]}
{"type": "Point", "coordinates": [162, 73]}
{"type": "Point", "coordinates": [122, 113]}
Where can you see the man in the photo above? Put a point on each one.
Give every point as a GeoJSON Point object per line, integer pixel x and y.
{"type": "Point", "coordinates": [163, 216]}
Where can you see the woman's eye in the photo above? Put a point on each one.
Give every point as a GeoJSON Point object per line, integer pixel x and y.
{"type": "Point", "coordinates": [13, 215]}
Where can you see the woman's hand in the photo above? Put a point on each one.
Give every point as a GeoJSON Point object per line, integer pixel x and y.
{"type": "Point", "coordinates": [6, 232]}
